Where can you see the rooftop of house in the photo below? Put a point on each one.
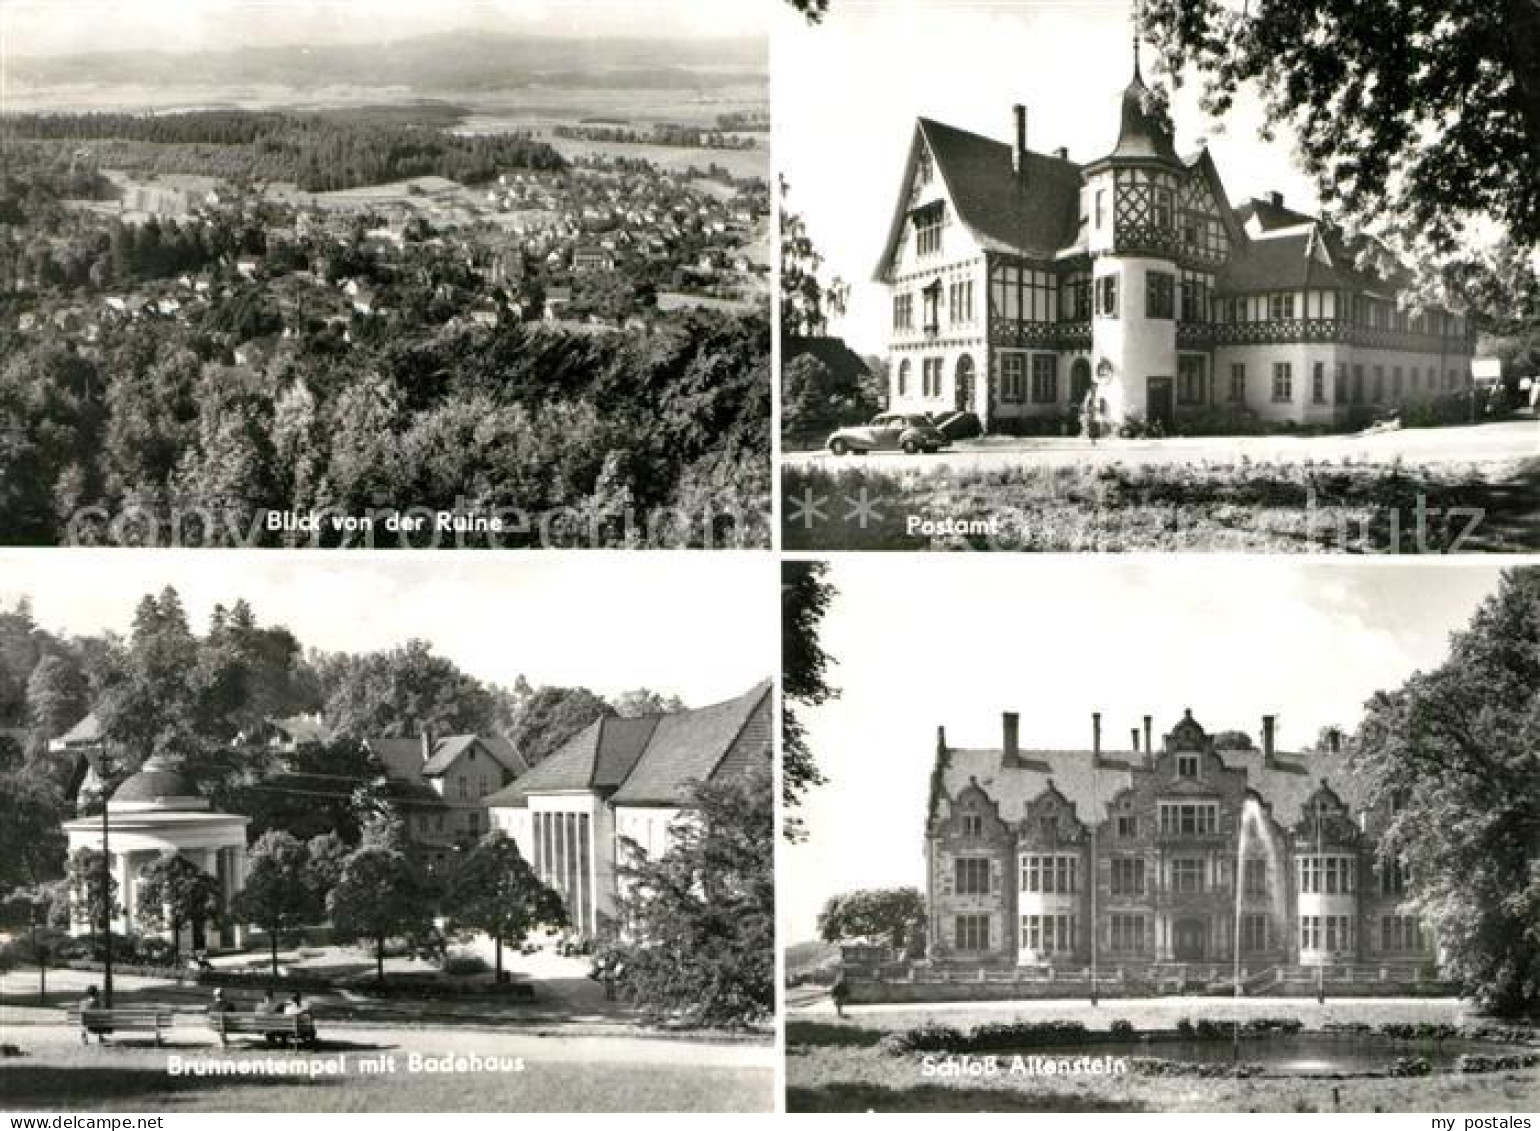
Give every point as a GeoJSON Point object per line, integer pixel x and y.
{"type": "Point", "coordinates": [653, 759]}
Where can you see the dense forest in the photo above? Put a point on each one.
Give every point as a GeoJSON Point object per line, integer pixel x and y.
{"type": "Point", "coordinates": [318, 152]}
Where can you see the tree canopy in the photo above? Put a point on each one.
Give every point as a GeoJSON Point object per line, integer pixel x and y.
{"type": "Point", "coordinates": [1454, 753]}
{"type": "Point", "coordinates": [880, 915]}
{"type": "Point", "coordinates": [805, 598]}
{"type": "Point", "coordinates": [495, 891]}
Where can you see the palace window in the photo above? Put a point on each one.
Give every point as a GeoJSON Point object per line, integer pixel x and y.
{"type": "Point", "coordinates": [1255, 874]}
{"type": "Point", "coordinates": [931, 297]}
{"type": "Point", "coordinates": [1162, 208]}
{"type": "Point", "coordinates": [928, 222]}
{"type": "Point", "coordinates": [1379, 384]}
{"type": "Point", "coordinates": [1395, 382]}
{"type": "Point", "coordinates": [1158, 286]}
{"type": "Point", "coordinates": [1188, 818]}
{"type": "Point", "coordinates": [972, 875]}
{"type": "Point", "coordinates": [1107, 296]}
{"type": "Point", "coordinates": [960, 301]}
{"type": "Point", "coordinates": [1340, 386]}
{"type": "Point", "coordinates": [925, 169]}
{"type": "Point", "coordinates": [1050, 874]}
{"type": "Point", "coordinates": [903, 377]}
{"type": "Point", "coordinates": [1101, 208]}
{"type": "Point", "coordinates": [1392, 878]}
{"type": "Point", "coordinates": [1045, 378]}
{"type": "Point", "coordinates": [1127, 875]}
{"type": "Point", "coordinates": [930, 376]}
{"type": "Point", "coordinates": [1401, 933]}
{"type": "Point", "coordinates": [1128, 827]}
{"type": "Point", "coordinates": [1187, 876]}
{"type": "Point", "coordinates": [1318, 382]}
{"type": "Point", "coordinates": [973, 824]}
{"type": "Point", "coordinates": [1238, 383]}
{"type": "Point", "coordinates": [1186, 765]}
{"type": "Point", "coordinates": [1075, 299]}
{"type": "Point", "coordinates": [903, 312]}
{"type": "Point", "coordinates": [1048, 934]}
{"type": "Point", "coordinates": [1331, 875]}
{"type": "Point", "coordinates": [1283, 382]}
{"type": "Point", "coordinates": [1280, 305]}
{"type": "Point", "coordinates": [1127, 934]}
{"type": "Point", "coordinates": [1358, 384]}
{"type": "Point", "coordinates": [1191, 379]}
{"type": "Point", "coordinates": [1195, 298]}
{"type": "Point", "coordinates": [1254, 933]}
{"type": "Point", "coordinates": [1013, 377]}
{"type": "Point", "coordinates": [971, 932]}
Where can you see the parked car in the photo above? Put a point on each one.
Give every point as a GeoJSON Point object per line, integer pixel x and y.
{"type": "Point", "coordinates": [890, 431]}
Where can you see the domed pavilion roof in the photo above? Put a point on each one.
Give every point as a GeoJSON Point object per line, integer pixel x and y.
{"type": "Point", "coordinates": [159, 784]}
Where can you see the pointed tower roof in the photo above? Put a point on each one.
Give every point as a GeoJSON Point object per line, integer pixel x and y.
{"type": "Point", "coordinates": [1141, 135]}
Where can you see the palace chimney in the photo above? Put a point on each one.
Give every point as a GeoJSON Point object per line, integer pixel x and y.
{"type": "Point", "coordinates": [1096, 734]}
{"type": "Point", "coordinates": [1133, 738]}
{"type": "Point", "coordinates": [941, 740]}
{"type": "Point", "coordinates": [1149, 745]}
{"type": "Point", "coordinates": [1019, 149]}
{"type": "Point", "coordinates": [1275, 198]}
{"type": "Point", "coordinates": [1269, 724]}
{"type": "Point", "coordinates": [1062, 153]}
{"type": "Point", "coordinates": [1011, 725]}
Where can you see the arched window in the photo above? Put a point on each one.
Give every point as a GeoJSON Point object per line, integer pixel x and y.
{"type": "Point", "coordinates": [962, 387]}
{"type": "Point", "coordinates": [1079, 380]}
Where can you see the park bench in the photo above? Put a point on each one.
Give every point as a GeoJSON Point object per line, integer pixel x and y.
{"type": "Point", "coordinates": [289, 1028]}
{"type": "Point", "coordinates": [130, 1018]}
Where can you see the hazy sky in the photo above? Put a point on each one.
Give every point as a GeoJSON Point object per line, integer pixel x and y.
{"type": "Point", "coordinates": [846, 95]}
{"type": "Point", "coordinates": [49, 27]}
{"type": "Point", "coordinates": [701, 626]}
{"type": "Point", "coordinates": [941, 640]}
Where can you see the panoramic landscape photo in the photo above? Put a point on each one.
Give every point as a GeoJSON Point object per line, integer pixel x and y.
{"type": "Point", "coordinates": [1260, 840]}
{"type": "Point", "coordinates": [1159, 275]}
{"type": "Point", "coordinates": [361, 274]}
{"type": "Point", "coordinates": [374, 832]}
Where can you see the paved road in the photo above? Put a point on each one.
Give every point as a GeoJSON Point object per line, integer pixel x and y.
{"type": "Point", "coordinates": [1496, 447]}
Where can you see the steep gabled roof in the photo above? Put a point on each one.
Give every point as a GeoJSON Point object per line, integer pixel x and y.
{"type": "Point", "coordinates": [1032, 214]}
{"type": "Point", "coordinates": [498, 748]}
{"type": "Point", "coordinates": [700, 745]}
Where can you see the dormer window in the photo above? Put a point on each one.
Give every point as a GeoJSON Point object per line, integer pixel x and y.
{"type": "Point", "coordinates": [1187, 765]}
{"type": "Point", "coordinates": [973, 824]}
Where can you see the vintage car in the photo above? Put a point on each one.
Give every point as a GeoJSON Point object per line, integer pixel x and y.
{"type": "Point", "coordinates": [890, 431]}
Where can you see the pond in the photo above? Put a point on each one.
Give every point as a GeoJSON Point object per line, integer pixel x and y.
{"type": "Point", "coordinates": [1297, 1054]}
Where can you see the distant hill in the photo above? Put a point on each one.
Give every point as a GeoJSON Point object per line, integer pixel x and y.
{"type": "Point", "coordinates": [464, 60]}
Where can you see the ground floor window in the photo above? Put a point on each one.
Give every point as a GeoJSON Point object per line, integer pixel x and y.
{"type": "Point", "coordinates": [972, 932]}
{"type": "Point", "coordinates": [1191, 379]}
{"type": "Point", "coordinates": [931, 376]}
{"type": "Point", "coordinates": [1332, 933]}
{"type": "Point", "coordinates": [1045, 378]}
{"type": "Point", "coordinates": [1128, 935]}
{"type": "Point", "coordinates": [1048, 934]}
{"type": "Point", "coordinates": [1127, 875]}
{"type": "Point", "coordinates": [1340, 386]}
{"type": "Point", "coordinates": [903, 377]}
{"type": "Point", "coordinates": [1013, 377]}
{"type": "Point", "coordinates": [1238, 383]}
{"type": "Point", "coordinates": [1254, 934]}
{"type": "Point", "coordinates": [1318, 382]}
{"type": "Point", "coordinates": [1401, 933]}
{"type": "Point", "coordinates": [1283, 381]}
{"type": "Point", "coordinates": [1358, 384]}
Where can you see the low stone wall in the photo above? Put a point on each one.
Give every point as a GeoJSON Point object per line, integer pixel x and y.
{"type": "Point", "coordinates": [872, 992]}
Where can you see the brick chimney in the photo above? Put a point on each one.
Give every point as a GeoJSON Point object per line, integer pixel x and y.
{"type": "Point", "coordinates": [1062, 153]}
{"type": "Point", "coordinates": [1275, 198]}
{"type": "Point", "coordinates": [1019, 149]}
{"type": "Point", "coordinates": [940, 740]}
{"type": "Point", "coordinates": [1269, 725]}
{"type": "Point", "coordinates": [1010, 723]}
{"type": "Point", "coordinates": [1149, 745]}
{"type": "Point", "coordinates": [1096, 734]}
{"type": "Point", "coordinates": [1133, 738]}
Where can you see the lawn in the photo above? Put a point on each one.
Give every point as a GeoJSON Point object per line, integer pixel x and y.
{"type": "Point", "coordinates": [1285, 506]}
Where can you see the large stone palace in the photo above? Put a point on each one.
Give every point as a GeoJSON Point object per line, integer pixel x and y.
{"type": "Point", "coordinates": [1021, 280]}
{"type": "Point", "coordinates": [1132, 857]}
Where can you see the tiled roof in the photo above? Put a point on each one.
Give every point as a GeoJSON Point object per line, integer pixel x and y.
{"type": "Point", "coordinates": [1284, 786]}
{"type": "Point", "coordinates": [696, 746]}
{"type": "Point", "coordinates": [401, 757]}
{"type": "Point", "coordinates": [1033, 213]}
{"type": "Point", "coordinates": [498, 748]}
{"type": "Point", "coordinates": [1141, 137]}
{"type": "Point", "coordinates": [652, 759]}
{"type": "Point", "coordinates": [1270, 216]}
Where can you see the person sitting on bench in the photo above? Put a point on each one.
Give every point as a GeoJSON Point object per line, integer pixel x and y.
{"type": "Point", "coordinates": [296, 1006]}
{"type": "Point", "coordinates": [92, 1001]}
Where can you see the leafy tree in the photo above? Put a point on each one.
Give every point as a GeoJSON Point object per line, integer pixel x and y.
{"type": "Point", "coordinates": [56, 696]}
{"type": "Point", "coordinates": [699, 942]}
{"type": "Point", "coordinates": [882, 915]}
{"type": "Point", "coordinates": [644, 701]}
{"type": "Point", "coordinates": [174, 892]}
{"type": "Point", "coordinates": [1423, 111]}
{"type": "Point", "coordinates": [379, 896]}
{"type": "Point", "coordinates": [807, 303]}
{"type": "Point", "coordinates": [407, 691]}
{"type": "Point", "coordinates": [32, 846]}
{"type": "Point", "coordinates": [551, 716]}
{"type": "Point", "coordinates": [1233, 740]}
{"type": "Point", "coordinates": [805, 597]}
{"type": "Point", "coordinates": [495, 891]}
{"type": "Point", "coordinates": [1454, 755]}
{"type": "Point", "coordinates": [812, 10]}
{"type": "Point", "coordinates": [280, 891]}
{"type": "Point", "coordinates": [92, 889]}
